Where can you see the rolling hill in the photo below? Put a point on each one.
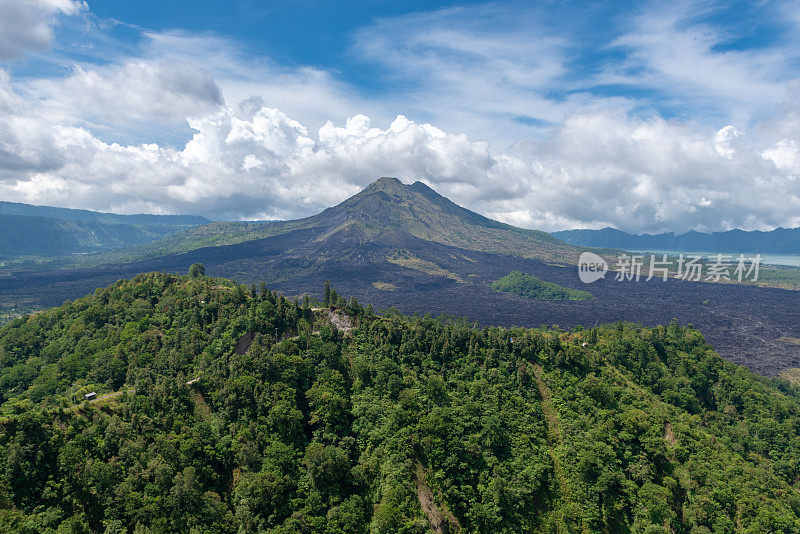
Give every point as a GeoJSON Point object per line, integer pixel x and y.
{"type": "Point", "coordinates": [226, 410]}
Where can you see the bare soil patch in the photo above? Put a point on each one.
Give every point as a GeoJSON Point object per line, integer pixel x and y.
{"type": "Point", "coordinates": [442, 521]}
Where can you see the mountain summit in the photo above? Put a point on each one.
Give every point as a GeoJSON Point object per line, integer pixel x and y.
{"type": "Point", "coordinates": [389, 201]}
{"type": "Point", "coordinates": [390, 205]}
{"type": "Point", "coordinates": [420, 211]}
{"type": "Point", "coordinates": [387, 205]}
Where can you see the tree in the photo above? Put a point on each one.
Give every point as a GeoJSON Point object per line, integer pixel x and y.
{"type": "Point", "coordinates": [263, 291]}
{"type": "Point", "coordinates": [197, 270]}
{"type": "Point", "coordinates": [327, 300]}
{"type": "Point", "coordinates": [354, 307]}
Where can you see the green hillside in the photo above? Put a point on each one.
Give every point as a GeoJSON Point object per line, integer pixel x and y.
{"type": "Point", "coordinates": [528, 286]}
{"type": "Point", "coordinates": [235, 410]}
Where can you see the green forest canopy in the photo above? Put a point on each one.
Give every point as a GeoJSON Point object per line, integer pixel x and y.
{"type": "Point", "coordinates": [311, 429]}
{"type": "Point", "coordinates": [529, 286]}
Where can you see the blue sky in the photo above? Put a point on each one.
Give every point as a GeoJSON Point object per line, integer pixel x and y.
{"type": "Point", "coordinates": [359, 44]}
{"type": "Point", "coordinates": [649, 116]}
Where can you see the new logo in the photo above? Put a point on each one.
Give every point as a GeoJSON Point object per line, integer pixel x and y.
{"type": "Point", "coordinates": [591, 267]}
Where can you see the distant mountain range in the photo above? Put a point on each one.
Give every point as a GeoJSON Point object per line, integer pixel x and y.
{"type": "Point", "coordinates": [44, 231]}
{"type": "Point", "coordinates": [17, 208]}
{"type": "Point", "coordinates": [780, 240]}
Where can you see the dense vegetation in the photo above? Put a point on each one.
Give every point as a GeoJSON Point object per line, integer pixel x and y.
{"type": "Point", "coordinates": [297, 425]}
{"type": "Point", "coordinates": [531, 287]}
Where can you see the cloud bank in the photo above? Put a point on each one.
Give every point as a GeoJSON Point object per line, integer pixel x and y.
{"type": "Point", "coordinates": [157, 132]}
{"type": "Point", "coordinates": [254, 161]}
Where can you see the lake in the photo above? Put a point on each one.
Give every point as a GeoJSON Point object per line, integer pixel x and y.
{"type": "Point", "coordinates": [766, 257]}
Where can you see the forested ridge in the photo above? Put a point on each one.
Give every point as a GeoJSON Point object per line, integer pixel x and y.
{"type": "Point", "coordinates": [326, 417]}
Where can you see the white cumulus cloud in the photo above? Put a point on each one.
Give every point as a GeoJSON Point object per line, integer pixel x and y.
{"type": "Point", "coordinates": [725, 141]}
{"type": "Point", "coordinates": [254, 161]}
{"type": "Point", "coordinates": [28, 24]}
{"type": "Point", "coordinates": [784, 155]}
{"type": "Point", "coordinates": [134, 90]}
